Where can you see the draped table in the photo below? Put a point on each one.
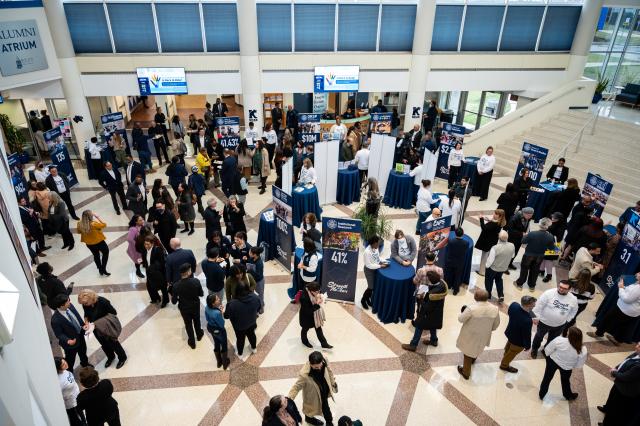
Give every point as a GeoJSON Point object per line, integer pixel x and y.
{"type": "Point", "coordinates": [305, 202]}
{"type": "Point", "coordinates": [399, 191]}
{"type": "Point", "coordinates": [539, 198]}
{"type": "Point", "coordinates": [267, 233]}
{"type": "Point", "coordinates": [470, 168]}
{"type": "Point", "coordinates": [393, 297]}
{"type": "Point", "coordinates": [348, 189]}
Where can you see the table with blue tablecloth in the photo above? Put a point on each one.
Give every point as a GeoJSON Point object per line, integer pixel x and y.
{"type": "Point", "coordinates": [105, 155]}
{"type": "Point", "coordinates": [632, 334]}
{"type": "Point", "coordinates": [393, 296]}
{"type": "Point", "coordinates": [470, 168]}
{"type": "Point", "coordinates": [399, 191]}
{"type": "Point", "coordinates": [305, 202]}
{"type": "Point", "coordinates": [468, 258]}
{"type": "Point", "coordinates": [539, 197]}
{"type": "Point", "coordinates": [296, 282]}
{"type": "Point", "coordinates": [267, 233]}
{"type": "Point", "coordinates": [348, 189]}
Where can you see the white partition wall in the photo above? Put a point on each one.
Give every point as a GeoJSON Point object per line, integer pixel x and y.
{"type": "Point", "coordinates": [287, 176]}
{"type": "Point", "coordinates": [326, 164]}
{"type": "Point", "coordinates": [381, 155]}
{"type": "Point", "coordinates": [430, 165]}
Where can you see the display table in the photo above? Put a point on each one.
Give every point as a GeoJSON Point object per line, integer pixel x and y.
{"type": "Point", "coordinates": [539, 197]}
{"type": "Point", "coordinates": [267, 233]}
{"type": "Point", "coordinates": [393, 297]}
{"type": "Point", "coordinates": [470, 168]}
{"type": "Point", "coordinates": [632, 334]}
{"type": "Point", "coordinates": [348, 189]}
{"type": "Point", "coordinates": [105, 154]}
{"type": "Point", "coordinates": [468, 258]}
{"type": "Point", "coordinates": [305, 202]}
{"type": "Point", "coordinates": [399, 191]}
{"type": "Point", "coordinates": [296, 282]}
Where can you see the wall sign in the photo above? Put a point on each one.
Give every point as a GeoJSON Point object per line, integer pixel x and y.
{"type": "Point", "coordinates": [21, 49]}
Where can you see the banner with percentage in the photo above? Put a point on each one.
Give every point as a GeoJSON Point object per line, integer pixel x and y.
{"type": "Point", "coordinates": [340, 243]}
{"type": "Point", "coordinates": [626, 258]}
{"type": "Point", "coordinates": [309, 128]}
{"type": "Point", "coordinates": [60, 157]}
{"type": "Point", "coordinates": [451, 135]}
{"type": "Point", "coordinates": [599, 190]}
{"type": "Point", "coordinates": [434, 237]}
{"type": "Point", "coordinates": [282, 203]}
{"type": "Point", "coordinates": [17, 175]}
{"type": "Point", "coordinates": [228, 131]}
{"type": "Point", "coordinates": [532, 158]}
{"type": "Point", "coordinates": [381, 122]}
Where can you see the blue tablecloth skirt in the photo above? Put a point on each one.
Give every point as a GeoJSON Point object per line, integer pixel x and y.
{"type": "Point", "coordinates": [267, 234]}
{"type": "Point", "coordinates": [305, 202]}
{"type": "Point", "coordinates": [632, 334]}
{"type": "Point", "coordinates": [538, 200]}
{"type": "Point", "coordinates": [296, 282]}
{"type": "Point", "coordinates": [105, 154]}
{"type": "Point", "coordinates": [470, 168]}
{"type": "Point", "coordinates": [393, 295]}
{"type": "Point", "coordinates": [348, 189]}
{"type": "Point", "coordinates": [399, 191]}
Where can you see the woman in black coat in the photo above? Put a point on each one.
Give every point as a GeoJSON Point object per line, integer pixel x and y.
{"type": "Point", "coordinates": [523, 183]}
{"type": "Point", "coordinates": [431, 310]}
{"type": "Point", "coordinates": [564, 200]}
{"type": "Point", "coordinates": [489, 236]}
{"type": "Point", "coordinates": [309, 303]}
{"type": "Point", "coordinates": [153, 261]}
{"type": "Point", "coordinates": [508, 201]}
{"type": "Point", "coordinates": [233, 215]}
{"type": "Point", "coordinates": [280, 407]}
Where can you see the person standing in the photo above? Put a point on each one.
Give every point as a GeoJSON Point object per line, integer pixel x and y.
{"type": "Point", "coordinates": [270, 139]}
{"type": "Point", "coordinates": [251, 133]}
{"type": "Point", "coordinates": [622, 408]}
{"type": "Point", "coordinates": [165, 224]}
{"type": "Point", "coordinates": [59, 182]}
{"type": "Point", "coordinates": [537, 242]}
{"type": "Point", "coordinates": [424, 200]}
{"type": "Point", "coordinates": [454, 163]}
{"type": "Point", "coordinates": [255, 268]}
{"type": "Point", "coordinates": [141, 144]}
{"type": "Point", "coordinates": [508, 201]}
{"type": "Point", "coordinates": [276, 119]}
{"type": "Point", "coordinates": [90, 229]}
{"type": "Point", "coordinates": [372, 263]}
{"type": "Point", "coordinates": [233, 215]}
{"type": "Point", "coordinates": [584, 290]}
{"type": "Point", "coordinates": [523, 184]}
{"type": "Point", "coordinates": [68, 327]}
{"type": "Point", "coordinates": [563, 201]}
{"type": "Point", "coordinates": [518, 331]}
{"type": "Point", "coordinates": [261, 163]}
{"type": "Point", "coordinates": [318, 384]}
{"type": "Point", "coordinates": [214, 272]}
{"type": "Point", "coordinates": [564, 354]}
{"type": "Point", "coordinates": [228, 172]}
{"type": "Point", "coordinates": [135, 224]}
{"type": "Point", "coordinates": [213, 313]}
{"type": "Point", "coordinates": [59, 220]}
{"type": "Point", "coordinates": [308, 265]}
{"type": "Point", "coordinates": [156, 132]}
{"type": "Point", "coordinates": [111, 180]}
{"type": "Point", "coordinates": [177, 174]}
{"type": "Point", "coordinates": [362, 160]}
{"type": "Point", "coordinates": [176, 259]}
{"type": "Point", "coordinates": [119, 149]}
{"type": "Point", "coordinates": [311, 314]}
{"type": "Point", "coordinates": [187, 293]}
{"type": "Point", "coordinates": [339, 128]}
{"type": "Point", "coordinates": [292, 119]}
{"type": "Point", "coordinates": [154, 263]}
{"type": "Point", "coordinates": [430, 311]}
{"type": "Point", "coordinates": [479, 320]}
{"type": "Point", "coordinates": [137, 196]}
{"type": "Point", "coordinates": [430, 116]}
{"type": "Point", "coordinates": [237, 276]}
{"type": "Point", "coordinates": [620, 317]}
{"type": "Point", "coordinates": [242, 311]}
{"type": "Point", "coordinates": [38, 131]}
{"type": "Point", "coordinates": [197, 186]}
{"type": "Point", "coordinates": [96, 400]}
{"type": "Point", "coordinates": [490, 229]}
{"type": "Point", "coordinates": [554, 309]}
{"type": "Point", "coordinates": [516, 227]}
{"type": "Point", "coordinates": [485, 171]}
{"type": "Point", "coordinates": [185, 201]}
{"type": "Point", "coordinates": [497, 264]}
{"type": "Point", "coordinates": [70, 391]}
{"type": "Point", "coordinates": [220, 108]}
{"type": "Point", "coordinates": [456, 251]}
{"type": "Point", "coordinates": [211, 219]}
{"type": "Point", "coordinates": [161, 120]}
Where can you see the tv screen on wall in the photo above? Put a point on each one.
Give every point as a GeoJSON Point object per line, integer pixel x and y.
{"type": "Point", "coordinates": [162, 81]}
{"type": "Point", "coordinates": [341, 78]}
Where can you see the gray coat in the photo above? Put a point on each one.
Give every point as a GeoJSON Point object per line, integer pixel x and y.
{"type": "Point", "coordinates": [413, 250]}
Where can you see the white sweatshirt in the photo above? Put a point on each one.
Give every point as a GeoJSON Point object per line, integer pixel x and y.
{"type": "Point", "coordinates": [555, 309]}
{"type": "Point", "coordinates": [486, 163]}
{"type": "Point", "coordinates": [629, 300]}
{"type": "Point", "coordinates": [417, 175]}
{"type": "Point", "coordinates": [453, 210]}
{"type": "Point", "coordinates": [425, 199]}
{"type": "Point", "coordinates": [371, 258]}
{"type": "Point", "coordinates": [455, 158]}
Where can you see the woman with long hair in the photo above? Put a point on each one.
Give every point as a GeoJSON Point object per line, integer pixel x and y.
{"type": "Point", "coordinates": [59, 220]}
{"type": "Point", "coordinates": [557, 228]}
{"type": "Point", "coordinates": [522, 184]}
{"type": "Point", "coordinates": [70, 391]}
{"type": "Point", "coordinates": [454, 163]}
{"type": "Point", "coordinates": [564, 354]}
{"type": "Point", "coordinates": [262, 162]}
{"type": "Point", "coordinates": [308, 265]}
{"type": "Point", "coordinates": [233, 215]}
{"type": "Point", "coordinates": [310, 302]}
{"type": "Point", "coordinates": [281, 411]}
{"type": "Point", "coordinates": [192, 131]}
{"type": "Point", "coordinates": [308, 229]}
{"type": "Point", "coordinates": [90, 229]}
{"type": "Point", "coordinates": [489, 236]}
{"type": "Point", "coordinates": [215, 326]}
{"type": "Point", "coordinates": [564, 200]}
{"type": "Point", "coordinates": [424, 202]}
{"type": "Point", "coordinates": [42, 203]}
{"type": "Point", "coordinates": [186, 202]}
{"type": "Point", "coordinates": [156, 190]}
{"type": "Point", "coordinates": [223, 244]}
{"type": "Point", "coordinates": [245, 158]}
{"type": "Point", "coordinates": [135, 224]}
{"type": "Point", "coordinates": [287, 139]}
{"type": "Point", "coordinates": [508, 201]}
{"type": "Point", "coordinates": [373, 197]}
{"type": "Point", "coordinates": [452, 208]}
{"type": "Point", "coordinates": [584, 290]}
{"type": "Point", "coordinates": [255, 267]}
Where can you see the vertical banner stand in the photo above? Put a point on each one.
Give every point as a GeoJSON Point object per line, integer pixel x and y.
{"type": "Point", "coordinates": [326, 155]}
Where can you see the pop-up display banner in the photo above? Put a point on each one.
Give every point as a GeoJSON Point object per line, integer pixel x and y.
{"type": "Point", "coordinates": [599, 190]}
{"type": "Point", "coordinates": [229, 131]}
{"type": "Point", "coordinates": [451, 135]}
{"type": "Point", "coordinates": [309, 128]}
{"type": "Point", "coordinates": [533, 158]}
{"type": "Point", "coordinates": [60, 155]}
{"type": "Point", "coordinates": [340, 244]}
{"type": "Point", "coordinates": [17, 175]}
{"type": "Point", "coordinates": [626, 258]}
{"type": "Point", "coordinates": [283, 213]}
{"type": "Point", "coordinates": [434, 237]}
{"type": "Point", "coordinates": [381, 123]}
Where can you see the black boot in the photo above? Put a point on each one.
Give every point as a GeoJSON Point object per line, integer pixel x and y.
{"type": "Point", "coordinates": [218, 358]}
{"type": "Point", "coordinates": [547, 278]}
{"type": "Point", "coordinates": [225, 360]}
{"type": "Point", "coordinates": [186, 228]}
{"type": "Point", "coordinates": [192, 225]}
{"type": "Point", "coordinates": [366, 299]}
{"type": "Point", "coordinates": [138, 271]}
{"type": "Point", "coordinates": [305, 339]}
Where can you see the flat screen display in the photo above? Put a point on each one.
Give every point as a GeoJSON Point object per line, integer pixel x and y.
{"type": "Point", "coordinates": [162, 81]}
{"type": "Point", "coordinates": [340, 78]}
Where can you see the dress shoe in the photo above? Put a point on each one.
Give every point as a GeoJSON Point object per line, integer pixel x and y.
{"type": "Point", "coordinates": [594, 335]}
{"type": "Point", "coordinates": [601, 408]}
{"type": "Point", "coordinates": [456, 291]}
{"type": "Point", "coordinates": [612, 339]}
{"type": "Point", "coordinates": [482, 199]}
{"type": "Point", "coordinates": [163, 304]}
{"type": "Point", "coordinates": [41, 254]}
{"type": "Point", "coordinates": [534, 354]}
{"type": "Point", "coordinates": [192, 345]}
{"type": "Point", "coordinates": [64, 247]}
{"type": "Point", "coordinates": [120, 363]}
{"type": "Point", "coordinates": [313, 421]}
{"type": "Point", "coordinates": [184, 230]}
{"type": "Point", "coordinates": [191, 232]}
{"type": "Point", "coordinates": [409, 348]}
{"type": "Point", "coordinates": [500, 299]}
{"type": "Point", "coordinates": [262, 191]}
{"type": "Point", "coordinates": [108, 363]}
{"type": "Point", "coordinates": [139, 274]}
{"type": "Point", "coordinates": [546, 278]}
{"type": "Point", "coordinates": [118, 212]}
{"type": "Point", "coordinates": [200, 335]}
{"type": "Point", "coordinates": [105, 272]}
{"type": "Point", "coordinates": [71, 247]}
{"type": "Point", "coordinates": [307, 344]}
{"type": "Point", "coordinates": [572, 397]}
{"type": "Point", "coordinates": [509, 369]}
{"type": "Point", "coordinates": [461, 371]}
{"type": "Point", "coordinates": [365, 306]}
{"type": "Point", "coordinates": [46, 248]}
{"type": "Point", "coordinates": [326, 345]}
{"type": "Point", "coordinates": [512, 267]}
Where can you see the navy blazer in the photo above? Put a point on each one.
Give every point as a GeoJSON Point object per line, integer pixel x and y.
{"type": "Point", "coordinates": [175, 260]}
{"type": "Point", "coordinates": [229, 169]}
{"type": "Point", "coordinates": [109, 183]}
{"type": "Point", "coordinates": [136, 169]}
{"type": "Point", "coordinates": [456, 250]}
{"type": "Point", "coordinates": [518, 330]}
{"type": "Point", "coordinates": [63, 329]}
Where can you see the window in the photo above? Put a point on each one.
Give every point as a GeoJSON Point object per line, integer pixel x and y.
{"type": "Point", "coordinates": [133, 28]}
{"type": "Point", "coordinates": [179, 27]}
{"type": "Point", "coordinates": [314, 27]}
{"type": "Point", "coordinates": [396, 27]}
{"type": "Point", "coordinates": [559, 28]}
{"type": "Point", "coordinates": [88, 27]}
{"type": "Point", "coordinates": [357, 27]}
{"type": "Point", "coordinates": [446, 28]}
{"type": "Point", "coordinates": [521, 27]}
{"type": "Point", "coordinates": [221, 27]}
{"type": "Point", "coordinates": [274, 27]}
{"type": "Point", "coordinates": [482, 28]}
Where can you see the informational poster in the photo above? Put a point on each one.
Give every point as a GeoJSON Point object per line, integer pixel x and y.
{"type": "Point", "coordinates": [60, 157]}
{"type": "Point", "coordinates": [434, 237]}
{"type": "Point", "coordinates": [309, 128]}
{"type": "Point", "coordinates": [53, 137]}
{"type": "Point", "coordinates": [532, 158]}
{"type": "Point", "coordinates": [228, 131]}
{"type": "Point", "coordinates": [284, 229]}
{"type": "Point", "coordinates": [340, 243]}
{"type": "Point", "coordinates": [320, 102]}
{"type": "Point", "coordinates": [451, 135]}
{"type": "Point", "coordinates": [65, 127]}
{"type": "Point", "coordinates": [599, 190]}
{"type": "Point", "coordinates": [626, 258]}
{"type": "Point", "coordinates": [17, 175]}
{"type": "Point", "coordinates": [112, 123]}
{"type": "Point", "coordinates": [381, 122]}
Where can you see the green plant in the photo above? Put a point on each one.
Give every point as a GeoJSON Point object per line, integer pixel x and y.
{"type": "Point", "coordinates": [15, 139]}
{"type": "Point", "coordinates": [371, 225]}
{"type": "Point", "coordinates": [602, 83]}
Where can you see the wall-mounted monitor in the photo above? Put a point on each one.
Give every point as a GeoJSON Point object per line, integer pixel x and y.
{"type": "Point", "coordinates": [339, 78]}
{"type": "Point", "coordinates": [162, 81]}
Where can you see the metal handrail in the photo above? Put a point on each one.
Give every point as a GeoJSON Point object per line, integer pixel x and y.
{"type": "Point", "coordinates": [593, 120]}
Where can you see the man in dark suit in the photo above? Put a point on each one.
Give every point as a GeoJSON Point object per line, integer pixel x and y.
{"type": "Point", "coordinates": [154, 260]}
{"type": "Point", "coordinates": [211, 219]}
{"type": "Point", "coordinates": [177, 258]}
{"type": "Point", "coordinates": [415, 136]}
{"type": "Point", "coordinates": [220, 108]}
{"type": "Point", "coordinates": [559, 172]}
{"type": "Point", "coordinates": [622, 408]}
{"type": "Point", "coordinates": [45, 119]}
{"type": "Point", "coordinates": [156, 132]}
{"type": "Point", "coordinates": [137, 196]}
{"type": "Point", "coordinates": [379, 107]}
{"type": "Point", "coordinates": [292, 120]}
{"type": "Point", "coordinates": [187, 293]}
{"type": "Point", "coordinates": [29, 218]}
{"type": "Point", "coordinates": [456, 250]}
{"type": "Point", "coordinates": [67, 325]}
{"type": "Point", "coordinates": [202, 140]}
{"type": "Point", "coordinates": [133, 169]}
{"type": "Point", "coordinates": [59, 182]}
{"type": "Point", "coordinates": [164, 224]}
{"type": "Point", "coordinates": [276, 117]}
{"type": "Point", "coordinates": [228, 171]}
{"type": "Point", "coordinates": [111, 180]}
{"type": "Point", "coordinates": [518, 331]}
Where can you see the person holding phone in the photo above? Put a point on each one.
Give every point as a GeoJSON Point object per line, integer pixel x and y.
{"type": "Point", "coordinates": [90, 229]}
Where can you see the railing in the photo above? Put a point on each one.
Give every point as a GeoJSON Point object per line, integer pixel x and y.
{"type": "Point", "coordinates": [578, 136]}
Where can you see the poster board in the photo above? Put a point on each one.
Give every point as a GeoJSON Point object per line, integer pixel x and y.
{"type": "Point", "coordinates": [451, 135]}
{"type": "Point", "coordinates": [340, 244]}
{"type": "Point", "coordinates": [434, 237]}
{"type": "Point", "coordinates": [381, 122]}
{"type": "Point", "coordinates": [599, 189]}
{"type": "Point", "coordinates": [283, 212]}
{"type": "Point", "coordinates": [308, 128]}
{"type": "Point", "coordinates": [228, 132]}
{"type": "Point", "coordinates": [533, 158]}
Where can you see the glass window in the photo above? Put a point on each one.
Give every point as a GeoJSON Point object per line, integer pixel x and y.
{"type": "Point", "coordinates": [605, 29]}
{"type": "Point", "coordinates": [482, 28]}
{"type": "Point", "coordinates": [623, 29]}
{"type": "Point", "coordinates": [88, 27]}
{"type": "Point", "coordinates": [594, 64]}
{"type": "Point", "coordinates": [179, 27]}
{"type": "Point", "coordinates": [314, 27]}
{"type": "Point", "coordinates": [446, 28]}
{"type": "Point", "coordinates": [521, 27]}
{"type": "Point", "coordinates": [221, 27]}
{"type": "Point", "coordinates": [396, 27]}
{"type": "Point", "coordinates": [274, 27]}
{"type": "Point", "coordinates": [559, 28]}
{"type": "Point", "coordinates": [357, 27]}
{"type": "Point", "coordinates": [629, 71]}
{"type": "Point", "coordinates": [471, 110]}
{"type": "Point", "coordinates": [132, 27]}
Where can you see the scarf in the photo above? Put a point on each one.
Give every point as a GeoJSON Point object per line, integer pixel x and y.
{"type": "Point", "coordinates": [285, 417]}
{"type": "Point", "coordinates": [403, 247]}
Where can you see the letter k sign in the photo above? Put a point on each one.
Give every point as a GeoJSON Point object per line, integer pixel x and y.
{"type": "Point", "coordinates": [253, 114]}
{"type": "Point", "coordinates": [416, 112]}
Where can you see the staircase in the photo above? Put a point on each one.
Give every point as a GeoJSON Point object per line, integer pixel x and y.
{"type": "Point", "coordinates": [613, 152]}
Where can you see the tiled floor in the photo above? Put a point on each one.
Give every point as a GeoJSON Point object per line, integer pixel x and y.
{"type": "Point", "coordinates": [164, 382]}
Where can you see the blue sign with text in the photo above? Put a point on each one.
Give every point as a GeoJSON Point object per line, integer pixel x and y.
{"type": "Point", "coordinates": [532, 158]}
{"type": "Point", "coordinates": [626, 258]}
{"type": "Point", "coordinates": [17, 175]}
{"type": "Point", "coordinates": [434, 237]}
{"type": "Point", "coordinates": [599, 190]}
{"type": "Point", "coordinates": [229, 131]}
{"type": "Point", "coordinates": [283, 212]}
{"type": "Point", "coordinates": [60, 157]}
{"type": "Point", "coordinates": [309, 128]}
{"type": "Point", "coordinates": [340, 244]}
{"type": "Point", "coordinates": [451, 135]}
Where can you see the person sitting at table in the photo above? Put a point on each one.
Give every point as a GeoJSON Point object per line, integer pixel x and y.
{"type": "Point", "coordinates": [523, 184]}
{"type": "Point", "coordinates": [372, 263]}
{"type": "Point", "coordinates": [558, 173]}
{"type": "Point", "coordinates": [308, 229]}
{"type": "Point", "coordinates": [485, 170]}
{"type": "Point", "coordinates": [624, 217]}
{"type": "Point", "coordinates": [436, 213]}
{"type": "Point", "coordinates": [454, 163]}
{"type": "Point", "coordinates": [424, 202]}
{"type": "Point", "coordinates": [454, 262]}
{"type": "Point", "coordinates": [430, 311]}
{"type": "Point", "coordinates": [307, 173]}
{"type": "Point", "coordinates": [308, 264]}
{"type": "Point", "coordinates": [403, 248]}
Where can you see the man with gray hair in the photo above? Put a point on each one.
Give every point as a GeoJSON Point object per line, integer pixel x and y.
{"type": "Point", "coordinates": [537, 242]}
{"type": "Point", "coordinates": [518, 331]}
{"type": "Point", "coordinates": [497, 263]}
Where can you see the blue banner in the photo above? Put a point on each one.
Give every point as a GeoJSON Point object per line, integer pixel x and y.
{"type": "Point", "coordinates": [533, 158]}
{"type": "Point", "coordinates": [626, 258]}
{"type": "Point", "coordinates": [340, 243]}
{"type": "Point", "coordinates": [283, 213]}
{"type": "Point", "coordinates": [451, 135]}
{"type": "Point", "coordinates": [599, 190]}
{"type": "Point", "coordinates": [381, 122]}
{"type": "Point", "coordinates": [228, 131]}
{"type": "Point", "coordinates": [60, 157]}
{"type": "Point", "coordinates": [434, 237]}
{"type": "Point", "coordinates": [309, 128]}
{"type": "Point", "coordinates": [53, 137]}
{"type": "Point", "coordinates": [18, 180]}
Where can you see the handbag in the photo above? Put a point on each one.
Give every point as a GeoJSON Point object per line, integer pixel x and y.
{"type": "Point", "coordinates": [319, 317]}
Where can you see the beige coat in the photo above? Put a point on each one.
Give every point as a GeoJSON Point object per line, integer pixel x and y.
{"type": "Point", "coordinates": [479, 320]}
{"type": "Point", "coordinates": [311, 400]}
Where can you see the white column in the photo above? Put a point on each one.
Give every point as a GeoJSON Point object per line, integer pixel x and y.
{"type": "Point", "coordinates": [583, 38]}
{"type": "Point", "coordinates": [250, 70]}
{"type": "Point", "coordinates": [419, 71]}
{"type": "Point", "coordinates": [71, 81]}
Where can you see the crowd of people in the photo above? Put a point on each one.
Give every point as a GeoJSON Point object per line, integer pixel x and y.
{"type": "Point", "coordinates": [233, 269]}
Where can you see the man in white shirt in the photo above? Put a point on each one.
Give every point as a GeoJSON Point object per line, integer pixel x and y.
{"type": "Point", "coordinates": [554, 309]}
{"type": "Point", "coordinates": [96, 155]}
{"type": "Point", "coordinates": [40, 172]}
{"type": "Point", "coordinates": [339, 128]}
{"type": "Point", "coordinates": [251, 134]}
{"type": "Point", "coordinates": [58, 182]}
{"type": "Point", "coordinates": [362, 160]}
{"type": "Point", "coordinates": [621, 317]}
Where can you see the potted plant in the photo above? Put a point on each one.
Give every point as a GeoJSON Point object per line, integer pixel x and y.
{"type": "Point", "coordinates": [371, 225]}
{"type": "Point", "coordinates": [15, 138]}
{"type": "Point", "coordinates": [601, 85]}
